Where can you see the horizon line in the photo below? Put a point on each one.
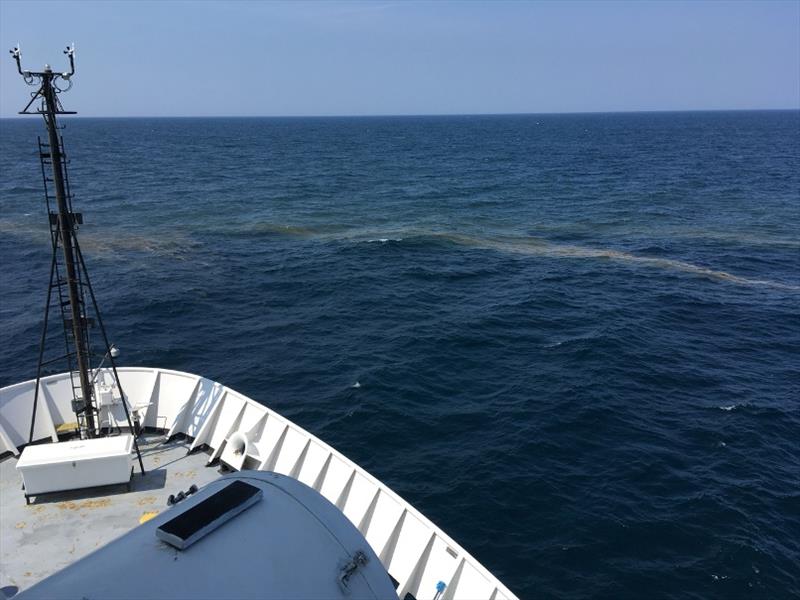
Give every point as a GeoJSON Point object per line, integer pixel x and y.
{"type": "Point", "coordinates": [396, 115]}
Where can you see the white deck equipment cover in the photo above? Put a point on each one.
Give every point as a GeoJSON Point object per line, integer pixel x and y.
{"type": "Point", "coordinates": [291, 544]}
{"type": "Point", "coordinates": [76, 464]}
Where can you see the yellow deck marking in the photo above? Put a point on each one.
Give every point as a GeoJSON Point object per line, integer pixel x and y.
{"type": "Point", "coordinates": [147, 516]}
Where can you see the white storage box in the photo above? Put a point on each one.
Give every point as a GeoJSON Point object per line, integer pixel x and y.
{"type": "Point", "coordinates": [76, 464]}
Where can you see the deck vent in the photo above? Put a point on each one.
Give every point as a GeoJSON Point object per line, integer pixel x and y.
{"type": "Point", "coordinates": [208, 514]}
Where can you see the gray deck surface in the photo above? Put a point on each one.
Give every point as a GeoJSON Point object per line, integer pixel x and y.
{"type": "Point", "coordinates": [57, 529]}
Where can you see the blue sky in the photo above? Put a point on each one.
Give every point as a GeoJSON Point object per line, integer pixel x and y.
{"type": "Point", "coordinates": [350, 58]}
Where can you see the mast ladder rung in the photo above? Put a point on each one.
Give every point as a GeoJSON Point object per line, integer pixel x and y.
{"type": "Point", "coordinates": [77, 218]}
{"type": "Point", "coordinates": [63, 282]}
{"type": "Point", "coordinates": [87, 322]}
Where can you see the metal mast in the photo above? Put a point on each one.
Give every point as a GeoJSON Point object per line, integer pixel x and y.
{"type": "Point", "coordinates": [63, 225]}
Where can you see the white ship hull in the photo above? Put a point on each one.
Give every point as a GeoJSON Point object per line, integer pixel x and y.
{"type": "Point", "coordinates": [246, 434]}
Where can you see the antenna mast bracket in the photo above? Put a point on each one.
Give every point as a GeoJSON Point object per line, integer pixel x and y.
{"type": "Point", "coordinates": [46, 79]}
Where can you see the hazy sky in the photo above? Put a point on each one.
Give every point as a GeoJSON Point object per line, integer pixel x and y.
{"type": "Point", "coordinates": [352, 58]}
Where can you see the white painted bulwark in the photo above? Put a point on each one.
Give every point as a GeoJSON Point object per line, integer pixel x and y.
{"type": "Point", "coordinates": [75, 464]}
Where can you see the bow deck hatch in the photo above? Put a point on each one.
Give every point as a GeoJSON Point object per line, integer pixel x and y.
{"type": "Point", "coordinates": [204, 517]}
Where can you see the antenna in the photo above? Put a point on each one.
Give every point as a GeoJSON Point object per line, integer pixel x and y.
{"type": "Point", "coordinates": [68, 275]}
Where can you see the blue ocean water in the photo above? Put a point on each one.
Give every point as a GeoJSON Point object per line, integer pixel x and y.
{"type": "Point", "coordinates": [573, 341]}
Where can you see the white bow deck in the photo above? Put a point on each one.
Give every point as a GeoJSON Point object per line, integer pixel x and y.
{"type": "Point", "coordinates": [416, 553]}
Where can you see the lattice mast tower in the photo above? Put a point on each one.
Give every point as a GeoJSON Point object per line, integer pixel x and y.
{"type": "Point", "coordinates": [68, 276]}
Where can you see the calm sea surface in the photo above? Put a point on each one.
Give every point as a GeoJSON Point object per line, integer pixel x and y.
{"type": "Point", "coordinates": [572, 341]}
